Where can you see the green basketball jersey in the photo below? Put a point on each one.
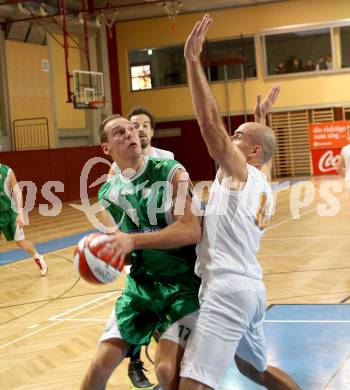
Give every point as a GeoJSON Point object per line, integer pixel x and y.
{"type": "Point", "coordinates": [144, 204]}
{"type": "Point", "coordinates": [5, 190]}
{"type": "Point", "coordinates": [162, 286]}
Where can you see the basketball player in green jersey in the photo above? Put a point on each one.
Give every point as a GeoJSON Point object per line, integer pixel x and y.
{"type": "Point", "coordinates": [11, 216]}
{"type": "Point", "coordinates": [144, 121]}
{"type": "Point", "coordinates": [158, 228]}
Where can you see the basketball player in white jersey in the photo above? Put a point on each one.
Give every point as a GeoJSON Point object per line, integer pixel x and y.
{"type": "Point", "coordinates": [144, 121]}
{"type": "Point", "coordinates": [232, 295]}
{"type": "Point", "coordinates": [343, 167]}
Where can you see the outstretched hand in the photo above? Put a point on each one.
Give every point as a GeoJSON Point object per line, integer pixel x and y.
{"type": "Point", "coordinates": [194, 43]}
{"type": "Point", "coordinates": [262, 108]}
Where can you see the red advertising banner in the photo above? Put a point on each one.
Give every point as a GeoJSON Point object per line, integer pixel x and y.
{"type": "Point", "coordinates": [328, 135]}
{"type": "Point", "coordinates": [326, 142]}
{"type": "Point", "coordinates": [324, 161]}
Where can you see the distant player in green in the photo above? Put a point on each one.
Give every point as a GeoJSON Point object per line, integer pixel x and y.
{"type": "Point", "coordinates": [157, 226]}
{"type": "Point", "coordinates": [11, 215]}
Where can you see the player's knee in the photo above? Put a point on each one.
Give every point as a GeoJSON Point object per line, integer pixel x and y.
{"type": "Point", "coordinates": [20, 243]}
{"type": "Point", "coordinates": [98, 372]}
{"type": "Point", "coordinates": [249, 371]}
{"type": "Point", "coordinates": [165, 372]}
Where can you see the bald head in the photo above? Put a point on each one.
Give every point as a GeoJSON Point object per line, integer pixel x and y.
{"type": "Point", "coordinates": [261, 135]}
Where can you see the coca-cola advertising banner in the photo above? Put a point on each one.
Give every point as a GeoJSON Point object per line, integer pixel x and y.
{"type": "Point", "coordinates": [324, 161]}
{"type": "Point", "coordinates": [326, 142]}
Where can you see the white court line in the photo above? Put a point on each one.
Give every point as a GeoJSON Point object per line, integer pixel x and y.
{"type": "Point", "coordinates": [83, 311]}
{"type": "Point", "coordinates": [56, 323]}
{"type": "Point", "coordinates": [301, 214]}
{"type": "Point", "coordinates": [310, 321]}
{"type": "Point", "coordinates": [81, 319]}
{"type": "Point", "coordinates": [290, 219]}
{"type": "Point", "coordinates": [303, 254]}
{"type": "Point", "coordinates": [33, 326]}
{"type": "Point", "coordinates": [56, 318]}
{"type": "Point", "coordinates": [304, 238]}
{"type": "Point", "coordinates": [273, 321]}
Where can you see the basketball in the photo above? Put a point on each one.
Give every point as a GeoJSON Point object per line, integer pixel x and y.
{"type": "Point", "coordinates": [92, 267]}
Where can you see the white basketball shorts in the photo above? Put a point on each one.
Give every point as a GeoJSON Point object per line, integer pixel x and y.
{"type": "Point", "coordinates": [19, 234]}
{"type": "Point", "coordinates": [230, 321]}
{"type": "Point", "coordinates": [178, 332]}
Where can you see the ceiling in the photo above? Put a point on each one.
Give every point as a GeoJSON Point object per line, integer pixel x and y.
{"type": "Point", "coordinates": [28, 20]}
{"type": "Point", "coordinates": [128, 11]}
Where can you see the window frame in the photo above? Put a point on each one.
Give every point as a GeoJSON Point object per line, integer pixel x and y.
{"type": "Point", "coordinates": [134, 64]}
{"type": "Point", "coordinates": [340, 54]}
{"type": "Point", "coordinates": [256, 52]}
{"type": "Point", "coordinates": [331, 25]}
{"type": "Point", "coordinates": [235, 37]}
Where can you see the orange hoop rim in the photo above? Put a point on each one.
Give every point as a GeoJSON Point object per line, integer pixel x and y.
{"type": "Point", "coordinates": [97, 103]}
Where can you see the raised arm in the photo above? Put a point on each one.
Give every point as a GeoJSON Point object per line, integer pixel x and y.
{"type": "Point", "coordinates": [262, 108]}
{"type": "Point", "coordinates": [230, 159]}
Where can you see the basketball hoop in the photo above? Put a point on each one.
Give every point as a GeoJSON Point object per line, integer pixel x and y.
{"type": "Point", "coordinates": [172, 8]}
{"type": "Point", "coordinates": [103, 16]}
{"type": "Point", "coordinates": [110, 23]}
{"type": "Point", "coordinates": [88, 89]}
{"type": "Point", "coordinates": [97, 104]}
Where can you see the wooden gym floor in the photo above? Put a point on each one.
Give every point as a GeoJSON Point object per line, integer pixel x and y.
{"type": "Point", "coordinates": [50, 326]}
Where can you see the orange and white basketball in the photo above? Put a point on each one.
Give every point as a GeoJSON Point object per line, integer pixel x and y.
{"type": "Point", "coordinates": [92, 267]}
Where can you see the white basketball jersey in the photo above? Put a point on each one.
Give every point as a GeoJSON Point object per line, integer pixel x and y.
{"type": "Point", "coordinates": [155, 152]}
{"type": "Point", "coordinates": [346, 155]}
{"type": "Point", "coordinates": [161, 153]}
{"type": "Point", "coordinates": [233, 226]}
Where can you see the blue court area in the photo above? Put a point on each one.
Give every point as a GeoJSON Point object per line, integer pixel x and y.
{"type": "Point", "coordinates": [310, 342]}
{"type": "Point", "coordinates": [44, 247]}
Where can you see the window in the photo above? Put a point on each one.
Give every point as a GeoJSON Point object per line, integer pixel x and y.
{"type": "Point", "coordinates": [345, 44]}
{"type": "Point", "coordinates": [141, 77]}
{"type": "Point", "coordinates": [165, 67]}
{"type": "Point", "coordinates": [346, 115]}
{"type": "Point", "coordinates": [238, 54]}
{"type": "Point", "coordinates": [298, 51]}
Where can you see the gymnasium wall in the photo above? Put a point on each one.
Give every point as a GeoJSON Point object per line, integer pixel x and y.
{"type": "Point", "coordinates": [66, 116]}
{"type": "Point", "coordinates": [29, 85]}
{"type": "Point", "coordinates": [175, 102]}
{"type": "Point", "coordinates": [38, 90]}
{"type": "Point", "coordinates": [64, 165]}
